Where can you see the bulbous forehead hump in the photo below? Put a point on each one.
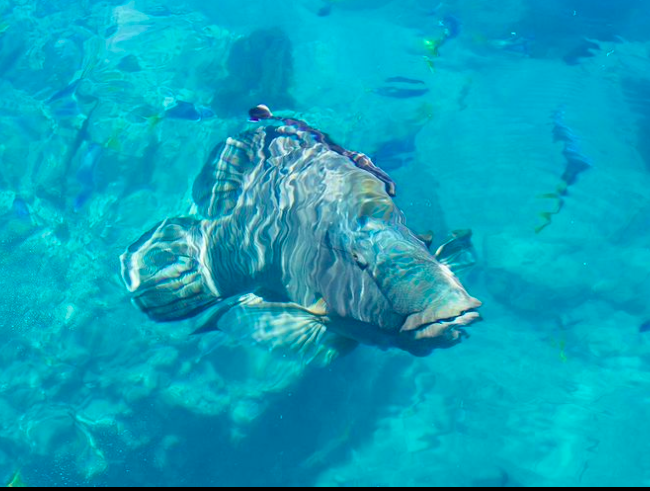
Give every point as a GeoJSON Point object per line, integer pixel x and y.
{"type": "Point", "coordinates": [370, 197]}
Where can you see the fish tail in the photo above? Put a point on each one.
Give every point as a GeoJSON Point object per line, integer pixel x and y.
{"type": "Point", "coordinates": [166, 274]}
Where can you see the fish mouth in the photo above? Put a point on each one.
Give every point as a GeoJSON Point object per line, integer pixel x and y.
{"type": "Point", "coordinates": [450, 329]}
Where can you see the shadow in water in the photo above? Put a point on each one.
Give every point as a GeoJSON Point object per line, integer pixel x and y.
{"type": "Point", "coordinates": [305, 430]}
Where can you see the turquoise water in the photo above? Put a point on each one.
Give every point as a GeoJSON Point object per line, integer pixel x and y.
{"type": "Point", "coordinates": [526, 121]}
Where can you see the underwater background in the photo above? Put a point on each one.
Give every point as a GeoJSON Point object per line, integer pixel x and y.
{"type": "Point", "coordinates": [526, 121]}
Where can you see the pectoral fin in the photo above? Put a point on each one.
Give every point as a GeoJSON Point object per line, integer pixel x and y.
{"type": "Point", "coordinates": [285, 328]}
{"type": "Point", "coordinates": [458, 252]}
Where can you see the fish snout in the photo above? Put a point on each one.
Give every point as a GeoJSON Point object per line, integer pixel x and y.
{"type": "Point", "coordinates": [444, 323]}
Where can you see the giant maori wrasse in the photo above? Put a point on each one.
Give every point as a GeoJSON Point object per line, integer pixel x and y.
{"type": "Point", "coordinates": [298, 246]}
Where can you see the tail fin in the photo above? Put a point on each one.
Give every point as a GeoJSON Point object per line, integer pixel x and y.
{"type": "Point", "coordinates": [164, 272]}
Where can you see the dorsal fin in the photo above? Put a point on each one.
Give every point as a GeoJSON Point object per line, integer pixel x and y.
{"type": "Point", "coordinates": [362, 161]}
{"type": "Point", "coordinates": [219, 185]}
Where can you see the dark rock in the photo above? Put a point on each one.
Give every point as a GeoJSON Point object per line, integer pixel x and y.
{"type": "Point", "coordinates": [261, 70]}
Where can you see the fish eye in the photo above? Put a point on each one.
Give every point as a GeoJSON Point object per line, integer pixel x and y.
{"type": "Point", "coordinates": [360, 261]}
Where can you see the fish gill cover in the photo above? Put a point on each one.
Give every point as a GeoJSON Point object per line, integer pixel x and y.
{"type": "Point", "coordinates": [110, 110]}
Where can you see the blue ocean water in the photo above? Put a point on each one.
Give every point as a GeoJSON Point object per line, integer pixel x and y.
{"type": "Point", "coordinates": [525, 121]}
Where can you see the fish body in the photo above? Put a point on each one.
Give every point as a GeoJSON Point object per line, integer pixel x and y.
{"type": "Point", "coordinates": [577, 161]}
{"type": "Point", "coordinates": [451, 25]}
{"type": "Point", "coordinates": [515, 43]}
{"type": "Point", "coordinates": [20, 209]}
{"type": "Point", "coordinates": [298, 249]}
{"type": "Point", "coordinates": [351, 5]}
{"type": "Point", "coordinates": [189, 112]}
{"type": "Point", "coordinates": [406, 80]}
{"type": "Point", "coordinates": [66, 92]}
{"type": "Point", "coordinates": [586, 49]}
{"type": "Point", "coordinates": [400, 92]}
{"type": "Point", "coordinates": [129, 64]}
{"type": "Point", "coordinates": [325, 10]}
{"type": "Point", "coordinates": [178, 110]}
{"type": "Point", "coordinates": [86, 173]}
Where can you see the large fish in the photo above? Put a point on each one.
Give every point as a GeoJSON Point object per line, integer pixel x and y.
{"type": "Point", "coordinates": [299, 248]}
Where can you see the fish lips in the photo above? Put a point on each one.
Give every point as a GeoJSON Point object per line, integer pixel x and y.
{"type": "Point", "coordinates": [448, 331]}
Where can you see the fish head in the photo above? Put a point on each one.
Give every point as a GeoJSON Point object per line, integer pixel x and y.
{"type": "Point", "coordinates": [430, 306]}
{"type": "Point", "coordinates": [380, 275]}
{"type": "Point", "coordinates": [206, 112]}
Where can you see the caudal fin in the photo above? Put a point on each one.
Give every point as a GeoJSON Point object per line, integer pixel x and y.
{"type": "Point", "coordinates": [164, 272]}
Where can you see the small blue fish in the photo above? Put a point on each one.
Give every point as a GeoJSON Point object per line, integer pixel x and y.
{"type": "Point", "coordinates": [64, 104]}
{"type": "Point", "coordinates": [20, 208]}
{"type": "Point", "coordinates": [67, 91]}
{"type": "Point", "coordinates": [577, 163]}
{"type": "Point", "coordinates": [562, 133]}
{"type": "Point", "coordinates": [515, 44]}
{"type": "Point", "coordinates": [645, 327]}
{"type": "Point", "coordinates": [188, 111]}
{"type": "Point", "coordinates": [67, 109]}
{"type": "Point", "coordinates": [451, 25]}
{"type": "Point", "coordinates": [584, 50]}
{"type": "Point", "coordinates": [129, 64]}
{"type": "Point", "coordinates": [395, 154]}
{"type": "Point", "coordinates": [206, 112]}
{"type": "Point", "coordinates": [402, 88]}
{"type": "Point", "coordinates": [86, 174]}
{"type": "Point", "coordinates": [111, 31]}
{"type": "Point", "coordinates": [82, 198]}
{"type": "Point", "coordinates": [325, 11]}
{"type": "Point", "coordinates": [400, 93]}
{"type": "Point", "coordinates": [11, 56]}
{"type": "Point", "coordinates": [407, 80]}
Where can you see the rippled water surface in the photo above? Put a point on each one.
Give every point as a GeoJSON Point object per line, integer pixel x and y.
{"type": "Point", "coordinates": [527, 122]}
